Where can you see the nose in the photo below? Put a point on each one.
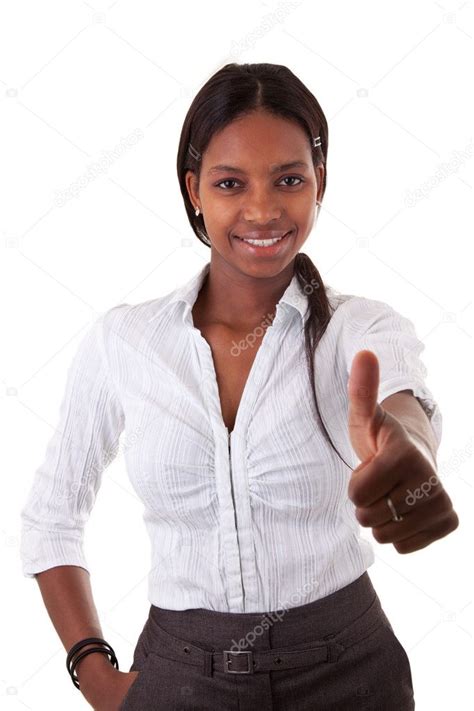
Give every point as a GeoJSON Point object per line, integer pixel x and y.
{"type": "Point", "coordinates": [261, 207]}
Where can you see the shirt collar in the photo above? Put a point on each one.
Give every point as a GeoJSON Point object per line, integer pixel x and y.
{"type": "Point", "coordinates": [294, 295]}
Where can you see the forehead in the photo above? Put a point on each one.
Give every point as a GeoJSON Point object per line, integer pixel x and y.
{"type": "Point", "coordinates": [259, 137]}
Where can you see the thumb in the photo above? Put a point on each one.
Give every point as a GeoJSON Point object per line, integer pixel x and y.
{"type": "Point", "coordinates": [363, 388]}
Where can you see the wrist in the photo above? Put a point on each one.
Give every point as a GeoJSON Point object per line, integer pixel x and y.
{"type": "Point", "coordinates": [423, 447]}
{"type": "Point", "coordinates": [94, 681]}
{"type": "Point", "coordinates": [95, 664]}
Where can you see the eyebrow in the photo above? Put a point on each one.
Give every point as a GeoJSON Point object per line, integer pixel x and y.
{"type": "Point", "coordinates": [275, 169]}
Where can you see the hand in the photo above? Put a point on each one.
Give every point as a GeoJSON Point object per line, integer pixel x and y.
{"type": "Point", "coordinates": [105, 690]}
{"type": "Point", "coordinates": [392, 464]}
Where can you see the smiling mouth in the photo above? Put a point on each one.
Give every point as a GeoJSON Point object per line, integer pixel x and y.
{"type": "Point", "coordinates": [263, 242]}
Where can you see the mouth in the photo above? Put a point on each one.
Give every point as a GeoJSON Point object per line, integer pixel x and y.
{"type": "Point", "coordinates": [264, 247]}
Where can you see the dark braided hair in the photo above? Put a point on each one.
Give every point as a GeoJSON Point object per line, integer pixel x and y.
{"type": "Point", "coordinates": [236, 90]}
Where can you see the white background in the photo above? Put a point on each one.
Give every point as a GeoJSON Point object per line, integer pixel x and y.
{"type": "Point", "coordinates": [77, 79]}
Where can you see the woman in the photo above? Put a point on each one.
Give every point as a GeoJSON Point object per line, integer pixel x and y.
{"type": "Point", "coordinates": [259, 591]}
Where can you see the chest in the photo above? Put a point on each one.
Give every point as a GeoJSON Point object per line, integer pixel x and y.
{"type": "Point", "coordinates": [233, 355]}
{"type": "Point", "coordinates": [178, 394]}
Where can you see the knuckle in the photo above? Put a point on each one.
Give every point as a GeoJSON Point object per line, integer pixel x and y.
{"type": "Point", "coordinates": [451, 522]}
{"type": "Point", "coordinates": [380, 535]}
{"type": "Point", "coordinates": [363, 516]}
{"type": "Point", "coordinates": [403, 548]}
{"type": "Point", "coordinates": [455, 520]}
{"type": "Point", "coordinates": [355, 495]}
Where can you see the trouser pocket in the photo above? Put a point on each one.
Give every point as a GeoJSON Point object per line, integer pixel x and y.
{"type": "Point", "coordinates": [381, 672]}
{"type": "Point", "coordinates": [134, 695]}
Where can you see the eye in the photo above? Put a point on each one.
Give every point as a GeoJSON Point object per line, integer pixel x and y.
{"type": "Point", "coordinates": [229, 180]}
{"type": "Point", "coordinates": [287, 177]}
{"type": "Point", "coordinates": [293, 177]}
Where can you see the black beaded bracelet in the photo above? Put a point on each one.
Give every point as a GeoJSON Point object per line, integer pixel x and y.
{"type": "Point", "coordinates": [73, 657]}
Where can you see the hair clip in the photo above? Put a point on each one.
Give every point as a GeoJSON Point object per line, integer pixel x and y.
{"type": "Point", "coordinates": [315, 141]}
{"type": "Point", "coordinates": [195, 154]}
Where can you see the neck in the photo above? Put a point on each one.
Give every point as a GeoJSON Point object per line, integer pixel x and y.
{"type": "Point", "coordinates": [238, 300]}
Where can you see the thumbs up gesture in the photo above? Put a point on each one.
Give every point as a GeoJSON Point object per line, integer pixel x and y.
{"type": "Point", "coordinates": [418, 510]}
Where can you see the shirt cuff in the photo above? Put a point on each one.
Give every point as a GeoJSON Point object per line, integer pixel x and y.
{"type": "Point", "coordinates": [44, 549]}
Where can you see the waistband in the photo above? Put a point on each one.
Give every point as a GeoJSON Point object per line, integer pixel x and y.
{"type": "Point", "coordinates": [245, 643]}
{"type": "Point", "coordinates": [320, 617]}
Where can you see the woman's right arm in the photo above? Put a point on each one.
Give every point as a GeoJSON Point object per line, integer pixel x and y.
{"type": "Point", "coordinates": [58, 506]}
{"type": "Point", "coordinates": [67, 595]}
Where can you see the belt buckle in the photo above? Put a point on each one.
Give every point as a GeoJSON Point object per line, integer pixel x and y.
{"type": "Point", "coordinates": [228, 661]}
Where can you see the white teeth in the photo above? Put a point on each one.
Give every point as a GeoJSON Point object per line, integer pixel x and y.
{"type": "Point", "coordinates": [263, 242]}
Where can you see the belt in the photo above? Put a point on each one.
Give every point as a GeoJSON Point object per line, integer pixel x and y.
{"type": "Point", "coordinates": [328, 649]}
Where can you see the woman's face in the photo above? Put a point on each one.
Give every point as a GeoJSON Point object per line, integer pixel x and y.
{"type": "Point", "coordinates": [253, 197]}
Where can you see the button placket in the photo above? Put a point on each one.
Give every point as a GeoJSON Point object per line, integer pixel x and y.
{"type": "Point", "coordinates": [248, 563]}
{"type": "Point", "coordinates": [231, 477]}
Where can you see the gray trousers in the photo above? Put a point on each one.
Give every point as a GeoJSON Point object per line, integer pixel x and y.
{"type": "Point", "coordinates": [370, 669]}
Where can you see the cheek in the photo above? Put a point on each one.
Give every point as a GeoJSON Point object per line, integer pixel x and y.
{"type": "Point", "coordinates": [308, 201]}
{"type": "Point", "coordinates": [301, 208]}
{"type": "Point", "coordinates": [303, 213]}
{"type": "Point", "coordinates": [221, 214]}
{"type": "Point", "coordinates": [310, 212]}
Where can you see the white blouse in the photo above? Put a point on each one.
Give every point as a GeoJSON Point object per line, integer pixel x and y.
{"type": "Point", "coordinates": [249, 521]}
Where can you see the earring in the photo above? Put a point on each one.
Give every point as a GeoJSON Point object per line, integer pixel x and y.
{"type": "Point", "coordinates": [197, 211]}
{"type": "Point", "coordinates": [318, 203]}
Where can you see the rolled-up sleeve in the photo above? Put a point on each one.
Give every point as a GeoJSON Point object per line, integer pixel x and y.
{"type": "Point", "coordinates": [376, 326]}
{"type": "Point", "coordinates": [65, 485]}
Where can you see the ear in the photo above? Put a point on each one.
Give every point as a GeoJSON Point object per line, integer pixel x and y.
{"type": "Point", "coordinates": [192, 186]}
{"type": "Point", "coordinates": [320, 170]}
